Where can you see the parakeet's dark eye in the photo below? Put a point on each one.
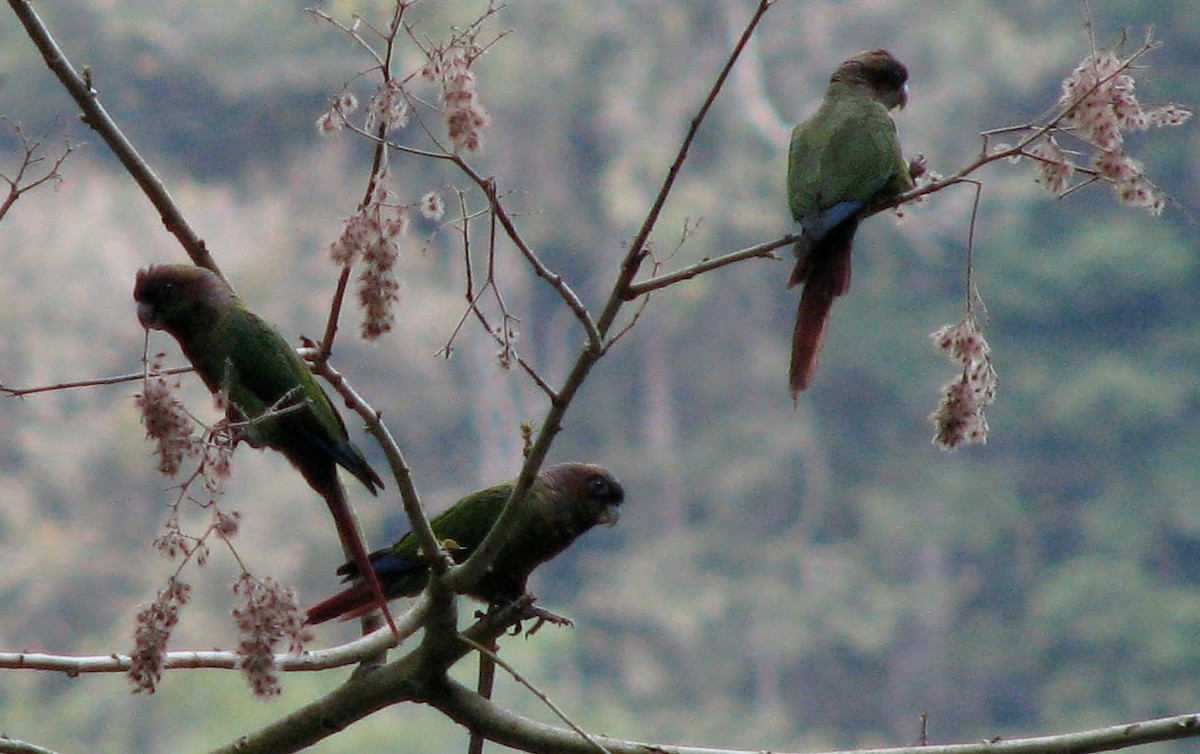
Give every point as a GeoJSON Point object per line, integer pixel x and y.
{"type": "Point", "coordinates": [892, 75]}
{"type": "Point", "coordinates": [896, 76]}
{"type": "Point", "coordinates": [603, 488]}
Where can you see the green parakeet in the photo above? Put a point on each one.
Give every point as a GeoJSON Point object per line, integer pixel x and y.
{"type": "Point", "coordinates": [564, 502]}
{"type": "Point", "coordinates": [234, 350]}
{"type": "Point", "coordinates": [842, 161]}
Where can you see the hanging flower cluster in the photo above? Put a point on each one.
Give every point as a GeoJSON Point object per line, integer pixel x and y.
{"type": "Point", "coordinates": [959, 419]}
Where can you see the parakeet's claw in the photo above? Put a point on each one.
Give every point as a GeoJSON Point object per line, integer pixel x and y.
{"type": "Point", "coordinates": [235, 430]}
{"type": "Point", "coordinates": [917, 167]}
{"type": "Point", "coordinates": [543, 616]}
{"type": "Point", "coordinates": [524, 609]}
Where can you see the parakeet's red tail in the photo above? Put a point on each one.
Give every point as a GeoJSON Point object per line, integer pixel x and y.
{"type": "Point", "coordinates": [335, 497]}
{"type": "Point", "coordinates": [397, 576]}
{"type": "Point", "coordinates": [352, 602]}
{"type": "Point", "coordinates": [825, 273]}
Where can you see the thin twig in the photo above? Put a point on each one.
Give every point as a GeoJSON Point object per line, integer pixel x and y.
{"type": "Point", "coordinates": [971, 242]}
{"type": "Point", "coordinates": [96, 117]}
{"type": "Point", "coordinates": [379, 162]}
{"type": "Point", "coordinates": [492, 656]}
{"type": "Point", "coordinates": [493, 196]}
{"type": "Point", "coordinates": [473, 307]}
{"type": "Point", "coordinates": [484, 686]}
{"type": "Point", "coordinates": [1034, 134]}
{"type": "Point", "coordinates": [637, 251]}
{"type": "Point", "coordinates": [764, 250]}
{"type": "Point", "coordinates": [485, 554]}
{"type": "Point", "coordinates": [556, 281]}
{"type": "Point", "coordinates": [18, 392]}
{"type": "Point", "coordinates": [20, 183]}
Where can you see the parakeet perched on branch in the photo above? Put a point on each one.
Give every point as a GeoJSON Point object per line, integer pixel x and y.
{"type": "Point", "coordinates": [564, 502]}
{"type": "Point", "coordinates": [271, 391]}
{"type": "Point", "coordinates": [842, 161]}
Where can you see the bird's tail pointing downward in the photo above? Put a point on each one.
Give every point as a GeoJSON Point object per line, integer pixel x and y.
{"type": "Point", "coordinates": [825, 273]}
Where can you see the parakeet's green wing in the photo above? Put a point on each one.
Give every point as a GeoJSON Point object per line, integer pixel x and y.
{"type": "Point", "coordinates": [805, 155]}
{"type": "Point", "coordinates": [269, 371]}
{"type": "Point", "coordinates": [466, 522]}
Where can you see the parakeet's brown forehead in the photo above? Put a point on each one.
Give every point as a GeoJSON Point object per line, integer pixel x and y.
{"type": "Point", "coordinates": [160, 282]}
{"type": "Point", "coordinates": [879, 67]}
{"type": "Point", "coordinates": [585, 480]}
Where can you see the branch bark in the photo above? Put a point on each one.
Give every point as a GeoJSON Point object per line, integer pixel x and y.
{"type": "Point", "coordinates": [509, 729]}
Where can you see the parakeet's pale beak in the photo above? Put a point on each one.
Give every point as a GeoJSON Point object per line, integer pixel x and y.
{"type": "Point", "coordinates": [903, 96]}
{"type": "Point", "coordinates": [610, 515]}
{"type": "Point", "coordinates": [147, 316]}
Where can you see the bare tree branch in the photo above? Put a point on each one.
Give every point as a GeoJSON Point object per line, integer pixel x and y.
{"type": "Point", "coordinates": [19, 392]}
{"type": "Point", "coordinates": [764, 250]}
{"type": "Point", "coordinates": [396, 461]}
{"type": "Point", "coordinates": [510, 729]}
{"type": "Point", "coordinates": [13, 746]}
{"type": "Point", "coordinates": [97, 118]}
{"type": "Point", "coordinates": [342, 655]}
{"type": "Point", "coordinates": [21, 182]}
{"type": "Point", "coordinates": [491, 656]}
{"type": "Point", "coordinates": [486, 552]}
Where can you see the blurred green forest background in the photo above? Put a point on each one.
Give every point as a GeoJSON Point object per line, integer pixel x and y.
{"type": "Point", "coordinates": [783, 578]}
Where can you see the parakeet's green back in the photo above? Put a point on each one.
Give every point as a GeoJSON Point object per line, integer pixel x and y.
{"type": "Point", "coordinates": [462, 526]}
{"type": "Point", "coordinates": [270, 393]}
{"type": "Point", "coordinates": [847, 151]}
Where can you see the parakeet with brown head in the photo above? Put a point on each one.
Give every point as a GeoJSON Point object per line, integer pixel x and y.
{"type": "Point", "coordinates": [842, 161]}
{"type": "Point", "coordinates": [564, 502]}
{"type": "Point", "coordinates": [271, 393]}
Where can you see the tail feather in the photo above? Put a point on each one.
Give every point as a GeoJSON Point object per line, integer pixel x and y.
{"type": "Point", "coordinates": [352, 602]}
{"type": "Point", "coordinates": [825, 273]}
{"type": "Point", "coordinates": [350, 458]}
{"type": "Point", "coordinates": [335, 497]}
{"type": "Point", "coordinates": [398, 577]}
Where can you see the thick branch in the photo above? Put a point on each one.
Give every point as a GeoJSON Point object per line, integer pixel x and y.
{"type": "Point", "coordinates": [360, 696]}
{"type": "Point", "coordinates": [322, 659]}
{"type": "Point", "coordinates": [408, 679]}
{"type": "Point", "coordinates": [509, 729]}
{"type": "Point", "coordinates": [13, 746]}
